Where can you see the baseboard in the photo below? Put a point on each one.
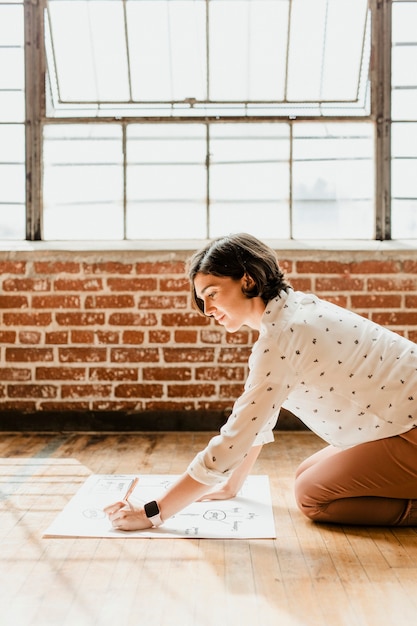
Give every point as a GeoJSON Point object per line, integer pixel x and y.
{"type": "Point", "coordinates": [112, 421]}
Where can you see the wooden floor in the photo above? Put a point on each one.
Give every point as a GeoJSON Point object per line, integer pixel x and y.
{"type": "Point", "coordinates": [310, 575]}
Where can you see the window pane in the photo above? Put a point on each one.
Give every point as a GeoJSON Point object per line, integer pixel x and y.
{"type": "Point", "coordinates": [167, 49]}
{"type": "Point", "coordinates": [247, 50]}
{"type": "Point", "coordinates": [325, 57]}
{"type": "Point", "coordinates": [198, 57]}
{"type": "Point", "coordinates": [266, 220]}
{"type": "Point", "coordinates": [404, 135]}
{"type": "Point", "coordinates": [12, 135]}
{"type": "Point", "coordinates": [83, 182]}
{"type": "Point", "coordinates": [333, 181]}
{"type": "Point", "coordinates": [166, 181]}
{"type": "Point", "coordinates": [249, 178]}
{"type": "Point", "coordinates": [404, 222]}
{"type": "Point", "coordinates": [91, 66]}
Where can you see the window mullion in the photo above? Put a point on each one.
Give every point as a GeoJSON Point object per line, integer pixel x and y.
{"type": "Point", "coordinates": [35, 112]}
{"type": "Point", "coordinates": [381, 109]}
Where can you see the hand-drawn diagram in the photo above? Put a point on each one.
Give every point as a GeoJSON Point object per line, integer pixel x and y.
{"type": "Point", "coordinates": [248, 515]}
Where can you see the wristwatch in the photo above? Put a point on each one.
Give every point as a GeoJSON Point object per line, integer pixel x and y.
{"type": "Point", "coordinates": [153, 513]}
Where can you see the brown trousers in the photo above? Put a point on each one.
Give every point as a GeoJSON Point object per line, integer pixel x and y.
{"type": "Point", "coordinates": [373, 483]}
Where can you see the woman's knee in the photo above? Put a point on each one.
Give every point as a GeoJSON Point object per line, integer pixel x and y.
{"type": "Point", "coordinates": [307, 498]}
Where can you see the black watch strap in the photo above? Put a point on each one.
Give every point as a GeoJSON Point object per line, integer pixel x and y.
{"type": "Point", "coordinates": [153, 513]}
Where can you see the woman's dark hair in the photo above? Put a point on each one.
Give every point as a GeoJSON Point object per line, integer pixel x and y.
{"type": "Point", "coordinates": [234, 256]}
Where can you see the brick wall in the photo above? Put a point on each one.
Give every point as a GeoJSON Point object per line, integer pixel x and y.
{"type": "Point", "coordinates": [111, 335]}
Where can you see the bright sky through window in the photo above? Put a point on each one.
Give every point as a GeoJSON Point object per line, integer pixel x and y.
{"type": "Point", "coordinates": [221, 56]}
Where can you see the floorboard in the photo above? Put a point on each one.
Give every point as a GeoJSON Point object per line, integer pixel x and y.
{"type": "Point", "coordinates": [310, 575]}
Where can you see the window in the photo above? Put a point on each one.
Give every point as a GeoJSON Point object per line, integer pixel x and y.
{"type": "Point", "coordinates": [12, 117]}
{"type": "Point", "coordinates": [404, 115]}
{"type": "Point", "coordinates": [185, 119]}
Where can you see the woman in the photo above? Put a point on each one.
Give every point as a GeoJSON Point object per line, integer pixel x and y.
{"type": "Point", "coordinates": [348, 379]}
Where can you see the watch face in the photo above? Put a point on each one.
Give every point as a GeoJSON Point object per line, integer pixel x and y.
{"type": "Point", "coordinates": [151, 509]}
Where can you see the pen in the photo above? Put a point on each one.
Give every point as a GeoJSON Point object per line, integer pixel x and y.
{"type": "Point", "coordinates": [131, 488]}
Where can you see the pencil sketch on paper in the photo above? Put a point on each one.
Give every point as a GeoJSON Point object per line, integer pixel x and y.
{"type": "Point", "coordinates": [248, 515]}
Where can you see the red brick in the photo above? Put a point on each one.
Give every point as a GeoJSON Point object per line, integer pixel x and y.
{"type": "Point", "coordinates": [57, 337]}
{"type": "Point", "coordinates": [301, 284]}
{"type": "Point", "coordinates": [411, 302]}
{"type": "Point", "coordinates": [14, 373]}
{"type": "Point", "coordinates": [64, 406]}
{"type": "Point", "coordinates": [7, 336]}
{"type": "Point", "coordinates": [410, 266]}
{"type": "Point", "coordinates": [111, 405]}
{"type": "Point", "coordinates": [26, 284]}
{"type": "Point", "coordinates": [19, 405]}
{"type": "Point", "coordinates": [230, 391]}
{"type": "Point", "coordinates": [109, 302]}
{"type": "Point", "coordinates": [134, 355]}
{"type": "Point", "coordinates": [107, 336]}
{"type": "Point", "coordinates": [60, 373]}
{"type": "Point", "coordinates": [234, 355]}
{"type": "Point", "coordinates": [220, 373]}
{"type": "Point", "coordinates": [286, 265]}
{"type": "Point", "coordinates": [240, 337]}
{"type": "Point", "coordinates": [133, 336]}
{"type": "Point", "coordinates": [78, 284]}
{"type": "Point", "coordinates": [185, 336]}
{"type": "Point", "coordinates": [322, 267]}
{"type": "Point", "coordinates": [12, 267]}
{"type": "Point", "coordinates": [174, 284]}
{"type": "Point", "coordinates": [108, 267]}
{"type": "Point", "coordinates": [138, 391]}
{"type": "Point", "coordinates": [412, 335]}
{"type": "Point", "coordinates": [82, 355]}
{"type": "Point", "coordinates": [160, 267]}
{"type": "Point", "coordinates": [132, 284]}
{"type": "Point", "coordinates": [56, 302]}
{"type": "Point", "coordinates": [29, 337]}
{"type": "Point", "coordinates": [29, 355]}
{"type": "Point", "coordinates": [82, 336]}
{"type": "Point", "coordinates": [80, 319]}
{"type": "Point", "coordinates": [191, 391]}
{"type": "Point", "coordinates": [159, 336]}
{"type": "Point", "coordinates": [166, 373]}
{"type": "Point", "coordinates": [211, 335]}
{"type": "Point", "coordinates": [337, 299]}
{"type": "Point", "coordinates": [82, 391]}
{"type": "Point", "coordinates": [376, 267]}
{"type": "Point", "coordinates": [376, 301]}
{"type": "Point", "coordinates": [396, 318]}
{"type": "Point", "coordinates": [392, 284]}
{"type": "Point", "coordinates": [32, 391]}
{"type": "Point", "coordinates": [193, 355]}
{"type": "Point", "coordinates": [342, 283]}
{"type": "Point", "coordinates": [13, 302]}
{"type": "Point", "coordinates": [114, 373]}
{"type": "Point", "coordinates": [163, 302]}
{"type": "Point", "coordinates": [56, 267]}
{"type": "Point", "coordinates": [27, 319]}
{"type": "Point", "coordinates": [133, 319]}
{"type": "Point", "coordinates": [184, 319]}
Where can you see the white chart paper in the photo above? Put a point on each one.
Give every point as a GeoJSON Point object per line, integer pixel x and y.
{"type": "Point", "coordinates": [247, 516]}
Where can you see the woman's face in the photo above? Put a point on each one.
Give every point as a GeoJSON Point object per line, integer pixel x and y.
{"type": "Point", "coordinates": [224, 300]}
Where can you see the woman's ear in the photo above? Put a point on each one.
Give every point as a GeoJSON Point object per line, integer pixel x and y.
{"type": "Point", "coordinates": [248, 281]}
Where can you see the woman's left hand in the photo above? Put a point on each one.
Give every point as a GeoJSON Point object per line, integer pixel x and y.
{"type": "Point", "coordinates": [123, 516]}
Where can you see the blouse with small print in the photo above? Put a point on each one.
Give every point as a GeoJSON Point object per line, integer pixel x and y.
{"type": "Point", "coordinates": [348, 379]}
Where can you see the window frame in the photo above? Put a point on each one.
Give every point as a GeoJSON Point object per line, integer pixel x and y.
{"type": "Point", "coordinates": [36, 118]}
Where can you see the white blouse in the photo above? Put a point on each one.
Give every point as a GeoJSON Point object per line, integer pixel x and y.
{"type": "Point", "coordinates": [348, 379]}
